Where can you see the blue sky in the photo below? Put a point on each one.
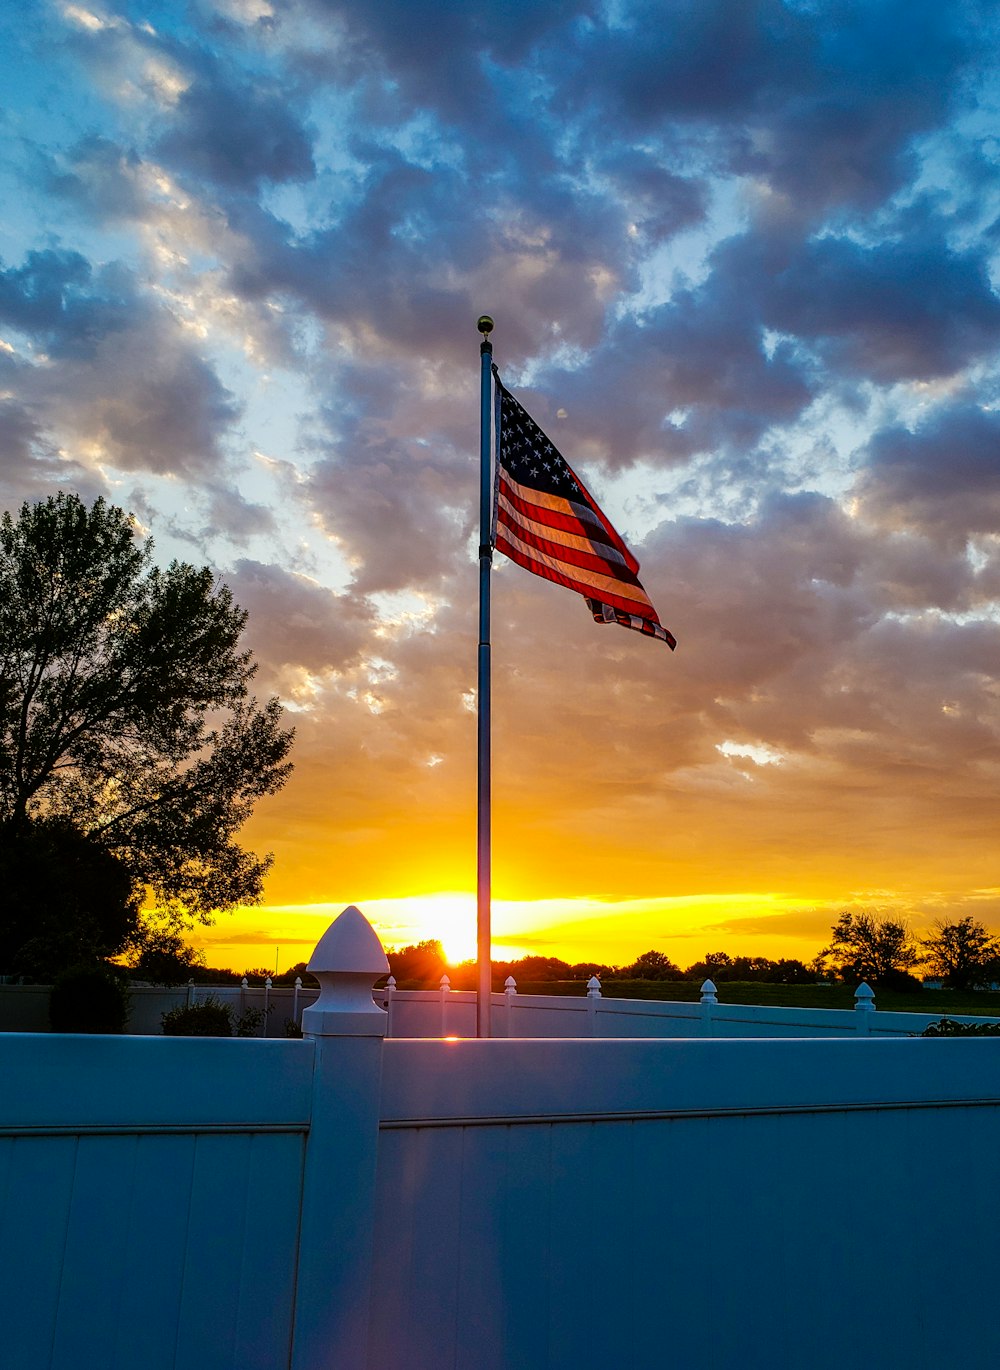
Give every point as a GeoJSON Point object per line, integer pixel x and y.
{"type": "Point", "coordinates": [743, 263]}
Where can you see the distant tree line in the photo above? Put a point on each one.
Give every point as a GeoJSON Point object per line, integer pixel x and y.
{"type": "Point", "coordinates": [961, 952]}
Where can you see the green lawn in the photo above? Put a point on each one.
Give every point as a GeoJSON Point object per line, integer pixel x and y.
{"type": "Point", "coordinates": [942, 1003]}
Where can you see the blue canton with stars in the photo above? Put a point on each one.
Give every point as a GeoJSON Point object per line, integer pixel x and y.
{"type": "Point", "coordinates": [528, 455]}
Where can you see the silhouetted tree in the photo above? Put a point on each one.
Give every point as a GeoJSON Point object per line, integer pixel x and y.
{"type": "Point", "coordinates": [64, 900]}
{"type": "Point", "coordinates": [423, 963]}
{"type": "Point", "coordinates": [963, 953]}
{"type": "Point", "coordinates": [651, 965]}
{"type": "Point", "coordinates": [537, 968]}
{"type": "Point", "coordinates": [298, 971]}
{"type": "Point", "coordinates": [163, 958]}
{"type": "Point", "coordinates": [715, 965]}
{"type": "Point", "coordinates": [125, 711]}
{"type": "Point", "coordinates": [583, 970]}
{"type": "Point", "coordinates": [719, 965]}
{"type": "Point", "coordinates": [866, 947]}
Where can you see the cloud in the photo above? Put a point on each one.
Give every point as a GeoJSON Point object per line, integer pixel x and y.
{"type": "Point", "coordinates": [942, 477]}
{"type": "Point", "coordinates": [904, 308]}
{"type": "Point", "coordinates": [101, 177]}
{"type": "Point", "coordinates": [296, 622]}
{"type": "Point", "coordinates": [31, 467]}
{"type": "Point", "coordinates": [112, 372]}
{"type": "Point", "coordinates": [236, 133]}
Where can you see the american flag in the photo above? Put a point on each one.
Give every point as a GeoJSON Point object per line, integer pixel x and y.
{"type": "Point", "coordinates": [546, 521]}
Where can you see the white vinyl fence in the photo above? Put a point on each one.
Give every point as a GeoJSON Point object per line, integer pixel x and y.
{"type": "Point", "coordinates": [449, 1013]}
{"type": "Point", "coordinates": [347, 1202]}
{"type": "Point", "coordinates": [445, 1012]}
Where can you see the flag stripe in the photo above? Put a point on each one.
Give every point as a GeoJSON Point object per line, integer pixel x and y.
{"type": "Point", "coordinates": [557, 551]}
{"type": "Point", "coordinates": [603, 613]}
{"type": "Point", "coordinates": [631, 598]}
{"type": "Point", "coordinates": [558, 507]}
{"type": "Point", "coordinates": [546, 520]}
{"type": "Point", "coordinates": [559, 512]}
{"type": "Point", "coordinates": [530, 526]}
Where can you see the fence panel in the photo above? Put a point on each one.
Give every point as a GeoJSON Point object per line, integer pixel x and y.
{"type": "Point", "coordinates": [150, 1194]}
{"type": "Point", "coordinates": [750, 1203]}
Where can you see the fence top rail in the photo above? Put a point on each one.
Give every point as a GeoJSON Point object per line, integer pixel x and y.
{"type": "Point", "coordinates": [536, 1077]}
{"type": "Point", "coordinates": [51, 1079]}
{"type": "Point", "coordinates": [780, 1014]}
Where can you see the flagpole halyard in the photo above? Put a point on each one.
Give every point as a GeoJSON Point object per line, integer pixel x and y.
{"type": "Point", "coordinates": [483, 696]}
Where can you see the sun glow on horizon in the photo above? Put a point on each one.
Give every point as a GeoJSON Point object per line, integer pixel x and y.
{"type": "Point", "coordinates": [575, 929]}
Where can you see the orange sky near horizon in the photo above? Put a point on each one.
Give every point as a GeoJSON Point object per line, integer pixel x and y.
{"type": "Point", "coordinates": [739, 852]}
{"type": "Point", "coordinates": [634, 806]}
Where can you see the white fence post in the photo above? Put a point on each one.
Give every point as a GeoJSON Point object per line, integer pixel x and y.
{"type": "Point", "coordinates": [864, 1004]}
{"type": "Point", "coordinates": [709, 999]}
{"type": "Point", "coordinates": [444, 989]}
{"type": "Point", "coordinates": [295, 1000]}
{"type": "Point", "coordinates": [243, 996]}
{"type": "Point", "coordinates": [190, 993]}
{"type": "Point", "coordinates": [390, 994]}
{"type": "Point", "coordinates": [593, 996]}
{"type": "Point", "coordinates": [509, 995]}
{"type": "Point", "coordinates": [346, 1028]}
{"type": "Point", "coordinates": [267, 998]}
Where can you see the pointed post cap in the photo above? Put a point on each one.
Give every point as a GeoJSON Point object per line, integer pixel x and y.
{"type": "Point", "coordinates": [593, 988]}
{"type": "Point", "coordinates": [708, 993]}
{"type": "Point", "coordinates": [350, 943]}
{"type": "Point", "coordinates": [864, 997]}
{"type": "Point", "coordinates": [347, 961]}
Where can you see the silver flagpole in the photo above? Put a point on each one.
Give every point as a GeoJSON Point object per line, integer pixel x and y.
{"type": "Point", "coordinates": [483, 812]}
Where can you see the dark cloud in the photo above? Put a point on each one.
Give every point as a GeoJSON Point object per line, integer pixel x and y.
{"type": "Point", "coordinates": [100, 177]}
{"type": "Point", "coordinates": [419, 254]}
{"type": "Point", "coordinates": [942, 477]}
{"type": "Point", "coordinates": [900, 309]}
{"type": "Point", "coordinates": [657, 200]}
{"type": "Point", "coordinates": [236, 134]}
{"type": "Point", "coordinates": [233, 516]}
{"type": "Point", "coordinates": [398, 514]}
{"type": "Point", "coordinates": [294, 621]}
{"type": "Point", "coordinates": [30, 464]}
{"type": "Point", "coordinates": [820, 101]}
{"type": "Point", "coordinates": [691, 375]}
{"type": "Point", "coordinates": [48, 299]}
{"type": "Point", "coordinates": [441, 52]}
{"type": "Point", "coordinates": [127, 378]}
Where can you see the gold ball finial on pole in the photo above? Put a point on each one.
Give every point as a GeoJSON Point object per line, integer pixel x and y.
{"type": "Point", "coordinates": [485, 325]}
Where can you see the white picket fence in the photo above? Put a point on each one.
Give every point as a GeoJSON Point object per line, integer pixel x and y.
{"type": "Point", "coordinates": [449, 1013]}
{"type": "Point", "coordinates": [445, 1012]}
{"type": "Point", "coordinates": [345, 1201]}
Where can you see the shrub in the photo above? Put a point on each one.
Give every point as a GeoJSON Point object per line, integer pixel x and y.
{"type": "Point", "coordinates": [209, 1018]}
{"type": "Point", "coordinates": [251, 1020]}
{"type": "Point", "coordinates": [947, 1027]}
{"type": "Point", "coordinates": [89, 999]}
{"type": "Point", "coordinates": [212, 1018]}
{"type": "Point", "coordinates": [900, 982]}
